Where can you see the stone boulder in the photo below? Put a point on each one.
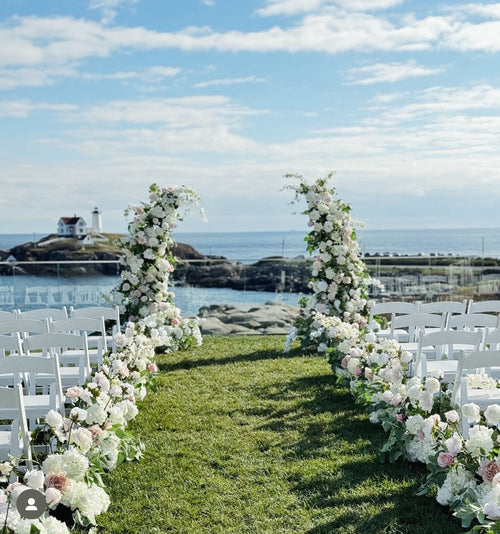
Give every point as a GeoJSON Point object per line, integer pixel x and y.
{"type": "Point", "coordinates": [225, 319]}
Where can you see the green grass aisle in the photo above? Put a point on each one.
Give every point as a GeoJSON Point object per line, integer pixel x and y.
{"type": "Point", "coordinates": [243, 439]}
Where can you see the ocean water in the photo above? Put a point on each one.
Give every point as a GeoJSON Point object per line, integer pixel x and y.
{"type": "Point", "coordinates": [248, 247]}
{"type": "Point", "coordinates": [251, 246]}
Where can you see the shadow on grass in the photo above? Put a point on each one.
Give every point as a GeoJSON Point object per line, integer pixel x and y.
{"type": "Point", "coordinates": [332, 427]}
{"type": "Point", "coordinates": [266, 354]}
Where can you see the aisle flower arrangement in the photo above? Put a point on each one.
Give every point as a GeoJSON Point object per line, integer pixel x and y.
{"type": "Point", "coordinates": [73, 449]}
{"type": "Point", "coordinates": [339, 280]}
{"type": "Point", "coordinates": [421, 425]}
{"type": "Point", "coordinates": [144, 291]}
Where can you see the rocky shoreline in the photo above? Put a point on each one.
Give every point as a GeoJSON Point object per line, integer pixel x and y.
{"type": "Point", "coordinates": [274, 318]}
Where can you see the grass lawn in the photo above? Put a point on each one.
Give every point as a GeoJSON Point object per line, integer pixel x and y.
{"type": "Point", "coordinates": [241, 438]}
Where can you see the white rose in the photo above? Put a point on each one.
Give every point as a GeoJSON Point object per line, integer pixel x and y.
{"type": "Point", "coordinates": [472, 412]}
{"type": "Point", "coordinates": [492, 415]}
{"type": "Point", "coordinates": [54, 419]}
{"type": "Point", "coordinates": [34, 479]}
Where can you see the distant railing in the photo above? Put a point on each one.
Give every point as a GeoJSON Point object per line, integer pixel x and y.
{"type": "Point", "coordinates": [25, 284]}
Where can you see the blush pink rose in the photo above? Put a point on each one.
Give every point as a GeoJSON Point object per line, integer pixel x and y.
{"type": "Point", "coordinates": [445, 459]}
{"type": "Point", "coordinates": [488, 470]}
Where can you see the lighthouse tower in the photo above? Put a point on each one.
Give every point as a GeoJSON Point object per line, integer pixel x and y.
{"type": "Point", "coordinates": [96, 221]}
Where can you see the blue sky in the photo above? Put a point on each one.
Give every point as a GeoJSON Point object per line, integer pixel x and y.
{"type": "Point", "coordinates": [100, 98]}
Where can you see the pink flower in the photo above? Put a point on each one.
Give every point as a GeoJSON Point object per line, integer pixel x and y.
{"type": "Point", "coordinates": [445, 459]}
{"type": "Point", "coordinates": [400, 417]}
{"type": "Point", "coordinates": [487, 470]}
{"type": "Point", "coordinates": [57, 480]}
{"type": "Point", "coordinates": [153, 368]}
{"type": "Point", "coordinates": [344, 362]}
{"type": "Point", "coordinates": [121, 340]}
{"type": "Point", "coordinates": [74, 392]}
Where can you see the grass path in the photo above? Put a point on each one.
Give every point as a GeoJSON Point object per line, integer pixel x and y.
{"type": "Point", "coordinates": [243, 439]}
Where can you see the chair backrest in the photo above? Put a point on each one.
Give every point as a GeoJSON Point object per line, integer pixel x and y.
{"type": "Point", "coordinates": [7, 316]}
{"type": "Point", "coordinates": [25, 326]}
{"type": "Point", "coordinates": [444, 306]}
{"type": "Point", "coordinates": [472, 321]}
{"type": "Point", "coordinates": [484, 306]}
{"type": "Point", "coordinates": [12, 398]}
{"type": "Point", "coordinates": [393, 307]}
{"type": "Point", "coordinates": [446, 340]}
{"type": "Point", "coordinates": [79, 325]}
{"type": "Point", "coordinates": [32, 366]}
{"type": "Point", "coordinates": [109, 313]}
{"type": "Point", "coordinates": [44, 313]}
{"type": "Point", "coordinates": [11, 344]}
{"type": "Point", "coordinates": [56, 343]}
{"type": "Point", "coordinates": [473, 360]}
{"type": "Point", "coordinates": [417, 322]}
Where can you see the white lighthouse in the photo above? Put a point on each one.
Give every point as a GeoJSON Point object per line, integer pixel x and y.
{"type": "Point", "coordinates": [96, 221]}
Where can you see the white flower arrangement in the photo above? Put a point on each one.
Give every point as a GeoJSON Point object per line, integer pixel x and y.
{"type": "Point", "coordinates": [143, 293]}
{"type": "Point", "coordinates": [339, 282]}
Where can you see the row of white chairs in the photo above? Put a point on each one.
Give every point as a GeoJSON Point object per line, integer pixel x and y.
{"type": "Point", "coordinates": [94, 329]}
{"type": "Point", "coordinates": [111, 316]}
{"type": "Point", "coordinates": [442, 306]}
{"type": "Point", "coordinates": [42, 354]}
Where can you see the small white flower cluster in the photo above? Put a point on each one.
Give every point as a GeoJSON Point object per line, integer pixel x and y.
{"type": "Point", "coordinates": [148, 264]}
{"type": "Point", "coordinates": [339, 281]}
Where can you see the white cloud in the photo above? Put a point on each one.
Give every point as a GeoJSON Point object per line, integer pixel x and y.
{"type": "Point", "coordinates": [11, 78]}
{"type": "Point", "coordinates": [484, 10]}
{"type": "Point", "coordinates": [24, 108]}
{"type": "Point", "coordinates": [292, 7]}
{"type": "Point", "coordinates": [59, 40]}
{"type": "Point", "coordinates": [109, 8]}
{"type": "Point", "coordinates": [31, 41]}
{"type": "Point", "coordinates": [230, 81]}
{"type": "Point", "coordinates": [182, 112]}
{"type": "Point", "coordinates": [389, 72]}
{"type": "Point", "coordinates": [440, 100]}
{"type": "Point", "coordinates": [209, 3]}
{"type": "Point", "coordinates": [150, 75]}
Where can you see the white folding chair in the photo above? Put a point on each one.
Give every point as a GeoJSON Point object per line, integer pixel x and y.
{"type": "Point", "coordinates": [15, 438]}
{"type": "Point", "coordinates": [439, 351]}
{"type": "Point", "coordinates": [95, 330]}
{"type": "Point", "coordinates": [484, 306]}
{"type": "Point", "coordinates": [392, 308]}
{"type": "Point", "coordinates": [36, 367]}
{"type": "Point", "coordinates": [472, 321]}
{"type": "Point", "coordinates": [475, 361]}
{"type": "Point", "coordinates": [72, 352]}
{"type": "Point", "coordinates": [44, 313]}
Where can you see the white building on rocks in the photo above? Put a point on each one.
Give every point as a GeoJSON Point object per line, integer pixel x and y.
{"type": "Point", "coordinates": [77, 227]}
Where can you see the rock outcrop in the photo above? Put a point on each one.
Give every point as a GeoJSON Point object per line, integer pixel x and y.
{"type": "Point", "coordinates": [272, 318]}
